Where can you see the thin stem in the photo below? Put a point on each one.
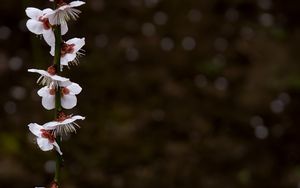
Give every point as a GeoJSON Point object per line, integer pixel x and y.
{"type": "Point", "coordinates": [58, 108]}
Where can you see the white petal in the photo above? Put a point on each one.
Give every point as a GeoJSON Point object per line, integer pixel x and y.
{"type": "Point", "coordinates": [62, 8]}
{"type": "Point", "coordinates": [74, 88]}
{"type": "Point", "coordinates": [44, 91]}
{"type": "Point", "coordinates": [34, 26]}
{"type": "Point", "coordinates": [76, 3]}
{"type": "Point", "coordinates": [64, 60]}
{"type": "Point", "coordinates": [44, 144]}
{"type": "Point", "coordinates": [49, 37]}
{"type": "Point", "coordinates": [72, 119]}
{"type": "Point", "coordinates": [64, 28]}
{"type": "Point", "coordinates": [47, 11]}
{"type": "Point", "coordinates": [65, 84]}
{"type": "Point", "coordinates": [53, 20]}
{"type": "Point", "coordinates": [79, 43]}
{"type": "Point", "coordinates": [52, 51]}
{"type": "Point", "coordinates": [69, 57]}
{"type": "Point", "coordinates": [57, 148]}
{"type": "Point", "coordinates": [42, 72]}
{"type": "Point", "coordinates": [50, 125]}
{"type": "Point", "coordinates": [59, 78]}
{"type": "Point", "coordinates": [77, 117]}
{"type": "Point", "coordinates": [35, 129]}
{"type": "Point", "coordinates": [45, 73]}
{"type": "Point", "coordinates": [48, 102]}
{"type": "Point", "coordinates": [33, 13]}
{"type": "Point", "coordinates": [68, 101]}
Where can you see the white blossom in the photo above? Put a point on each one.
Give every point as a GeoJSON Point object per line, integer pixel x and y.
{"type": "Point", "coordinates": [39, 24]}
{"type": "Point", "coordinates": [64, 124]}
{"type": "Point", "coordinates": [45, 138]}
{"type": "Point", "coordinates": [70, 51]}
{"type": "Point", "coordinates": [65, 12]}
{"type": "Point", "coordinates": [68, 92]}
{"type": "Point", "coordinates": [48, 77]}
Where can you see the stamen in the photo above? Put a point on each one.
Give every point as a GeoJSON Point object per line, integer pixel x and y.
{"type": "Point", "coordinates": [44, 80]}
{"type": "Point", "coordinates": [46, 23]}
{"type": "Point", "coordinates": [51, 70]}
{"type": "Point", "coordinates": [62, 117]}
{"type": "Point", "coordinates": [48, 134]}
{"type": "Point", "coordinates": [67, 49]}
{"type": "Point", "coordinates": [65, 91]}
{"type": "Point", "coordinates": [61, 3]}
{"type": "Point", "coordinates": [52, 91]}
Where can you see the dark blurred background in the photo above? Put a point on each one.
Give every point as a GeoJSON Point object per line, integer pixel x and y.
{"type": "Point", "coordinates": [176, 94]}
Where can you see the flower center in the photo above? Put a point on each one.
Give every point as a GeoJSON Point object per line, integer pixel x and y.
{"type": "Point", "coordinates": [61, 3]}
{"type": "Point", "coordinates": [48, 135]}
{"type": "Point", "coordinates": [46, 23]}
{"type": "Point", "coordinates": [51, 70]}
{"type": "Point", "coordinates": [52, 91]}
{"type": "Point", "coordinates": [65, 91]}
{"type": "Point", "coordinates": [67, 49]}
{"type": "Point", "coordinates": [62, 117]}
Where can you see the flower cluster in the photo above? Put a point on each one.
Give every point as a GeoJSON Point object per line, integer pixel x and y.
{"type": "Point", "coordinates": [58, 92]}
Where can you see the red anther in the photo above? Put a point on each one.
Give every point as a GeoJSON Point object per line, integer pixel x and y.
{"type": "Point", "coordinates": [62, 117]}
{"type": "Point", "coordinates": [52, 91]}
{"type": "Point", "coordinates": [67, 49]}
{"type": "Point", "coordinates": [53, 185]}
{"type": "Point", "coordinates": [48, 134]}
{"type": "Point", "coordinates": [65, 91]}
{"type": "Point", "coordinates": [46, 23]}
{"type": "Point", "coordinates": [51, 70]}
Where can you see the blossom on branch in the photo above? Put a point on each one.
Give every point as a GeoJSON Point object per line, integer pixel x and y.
{"type": "Point", "coordinates": [68, 92]}
{"type": "Point", "coordinates": [48, 77]}
{"type": "Point", "coordinates": [45, 138]}
{"type": "Point", "coordinates": [39, 24]}
{"type": "Point", "coordinates": [64, 124]}
{"type": "Point", "coordinates": [64, 13]}
{"type": "Point", "coordinates": [70, 51]}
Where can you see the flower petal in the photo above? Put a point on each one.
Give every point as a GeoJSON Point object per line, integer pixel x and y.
{"type": "Point", "coordinates": [42, 72]}
{"type": "Point", "coordinates": [44, 144]}
{"type": "Point", "coordinates": [74, 88]}
{"type": "Point", "coordinates": [77, 117]}
{"type": "Point", "coordinates": [44, 91]}
{"type": "Point", "coordinates": [34, 26]}
{"type": "Point", "coordinates": [79, 43]}
{"type": "Point", "coordinates": [64, 28]}
{"type": "Point", "coordinates": [76, 3]}
{"type": "Point", "coordinates": [57, 148]}
{"type": "Point", "coordinates": [65, 84]}
{"type": "Point", "coordinates": [53, 18]}
{"type": "Point", "coordinates": [68, 101]}
{"type": "Point", "coordinates": [65, 60]}
{"type": "Point", "coordinates": [51, 125]}
{"type": "Point", "coordinates": [35, 129]}
{"type": "Point", "coordinates": [68, 58]}
{"type": "Point", "coordinates": [72, 119]}
{"type": "Point", "coordinates": [52, 51]}
{"type": "Point", "coordinates": [49, 37]}
{"type": "Point", "coordinates": [48, 102]}
{"type": "Point", "coordinates": [59, 78]}
{"type": "Point", "coordinates": [33, 13]}
{"type": "Point", "coordinates": [47, 11]}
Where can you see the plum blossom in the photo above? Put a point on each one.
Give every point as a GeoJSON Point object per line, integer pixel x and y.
{"type": "Point", "coordinates": [45, 138]}
{"type": "Point", "coordinates": [64, 124]}
{"type": "Point", "coordinates": [64, 13]}
{"type": "Point", "coordinates": [48, 77]}
{"type": "Point", "coordinates": [70, 51]}
{"type": "Point", "coordinates": [39, 24]}
{"type": "Point", "coordinates": [68, 90]}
